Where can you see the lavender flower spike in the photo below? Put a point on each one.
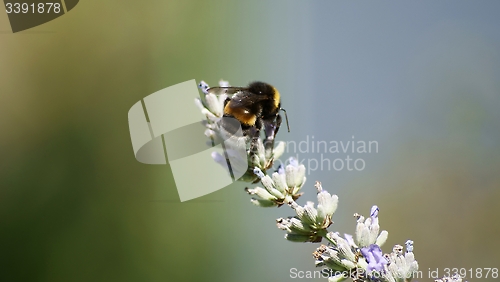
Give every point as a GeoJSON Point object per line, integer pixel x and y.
{"type": "Point", "coordinates": [368, 231]}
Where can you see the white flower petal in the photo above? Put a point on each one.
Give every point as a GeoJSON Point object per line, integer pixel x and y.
{"type": "Point", "coordinates": [263, 203]}
{"type": "Point", "coordinates": [279, 182]}
{"type": "Point", "coordinates": [261, 193]}
{"type": "Point", "coordinates": [382, 237]}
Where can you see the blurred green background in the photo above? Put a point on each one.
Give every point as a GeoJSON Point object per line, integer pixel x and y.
{"type": "Point", "coordinates": [420, 78]}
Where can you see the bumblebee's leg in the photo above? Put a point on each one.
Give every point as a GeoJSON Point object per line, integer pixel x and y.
{"type": "Point", "coordinates": [278, 124]}
{"type": "Point", "coordinates": [271, 131]}
{"type": "Point", "coordinates": [259, 123]}
{"type": "Point", "coordinates": [271, 128]}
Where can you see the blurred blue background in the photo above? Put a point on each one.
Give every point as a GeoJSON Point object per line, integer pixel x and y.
{"type": "Point", "coordinates": [420, 78]}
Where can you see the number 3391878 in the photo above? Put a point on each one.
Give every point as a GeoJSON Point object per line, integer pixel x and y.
{"type": "Point", "coordinates": [33, 8]}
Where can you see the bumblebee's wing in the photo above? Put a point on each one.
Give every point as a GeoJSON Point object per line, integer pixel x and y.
{"type": "Point", "coordinates": [245, 98]}
{"type": "Point", "coordinates": [225, 90]}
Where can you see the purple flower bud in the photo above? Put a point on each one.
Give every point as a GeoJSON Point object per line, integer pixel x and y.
{"type": "Point", "coordinates": [281, 169]}
{"type": "Point", "coordinates": [375, 258]}
{"type": "Point", "coordinates": [293, 161]}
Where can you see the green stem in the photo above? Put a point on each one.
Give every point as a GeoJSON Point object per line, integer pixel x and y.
{"type": "Point", "coordinates": [323, 233]}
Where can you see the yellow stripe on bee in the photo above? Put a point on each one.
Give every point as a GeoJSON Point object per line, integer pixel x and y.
{"type": "Point", "coordinates": [276, 98]}
{"type": "Point", "coordinates": [241, 114]}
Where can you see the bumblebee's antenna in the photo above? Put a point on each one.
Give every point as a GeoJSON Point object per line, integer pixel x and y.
{"type": "Point", "coordinates": [286, 117]}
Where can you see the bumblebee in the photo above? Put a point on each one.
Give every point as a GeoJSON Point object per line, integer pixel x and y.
{"type": "Point", "coordinates": [256, 106]}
